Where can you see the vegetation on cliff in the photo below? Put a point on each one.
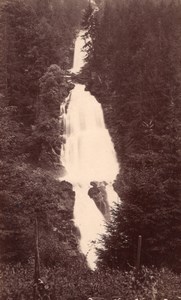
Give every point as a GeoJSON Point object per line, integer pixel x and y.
{"type": "Point", "coordinates": [134, 60]}
{"type": "Point", "coordinates": [35, 52]}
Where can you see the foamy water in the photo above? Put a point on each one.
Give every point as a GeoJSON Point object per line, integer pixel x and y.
{"type": "Point", "coordinates": [88, 155]}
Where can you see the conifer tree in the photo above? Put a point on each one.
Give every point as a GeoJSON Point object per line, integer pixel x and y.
{"type": "Point", "coordinates": [139, 60]}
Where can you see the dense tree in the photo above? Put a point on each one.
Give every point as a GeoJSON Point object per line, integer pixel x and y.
{"type": "Point", "coordinates": [20, 21]}
{"type": "Point", "coordinates": [35, 52]}
{"type": "Point", "coordinates": [25, 195]}
{"type": "Point", "coordinates": [45, 141]}
{"type": "Point", "coordinates": [137, 61]}
{"type": "Point", "coordinates": [35, 35]}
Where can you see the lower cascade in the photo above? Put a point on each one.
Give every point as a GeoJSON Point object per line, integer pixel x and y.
{"type": "Point", "coordinates": [91, 165]}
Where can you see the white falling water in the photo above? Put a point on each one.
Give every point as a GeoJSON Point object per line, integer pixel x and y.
{"type": "Point", "coordinates": [88, 155]}
{"type": "Point", "coordinates": [79, 53]}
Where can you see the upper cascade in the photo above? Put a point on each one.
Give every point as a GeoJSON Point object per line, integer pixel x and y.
{"type": "Point", "coordinates": [89, 154]}
{"type": "Point", "coordinates": [79, 53]}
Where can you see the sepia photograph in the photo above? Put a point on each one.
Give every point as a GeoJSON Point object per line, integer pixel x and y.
{"type": "Point", "coordinates": [90, 148]}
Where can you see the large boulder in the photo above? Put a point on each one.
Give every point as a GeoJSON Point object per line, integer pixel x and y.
{"type": "Point", "coordinates": [98, 193]}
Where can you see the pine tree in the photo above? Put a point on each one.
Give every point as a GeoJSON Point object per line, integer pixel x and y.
{"type": "Point", "coordinates": [140, 62]}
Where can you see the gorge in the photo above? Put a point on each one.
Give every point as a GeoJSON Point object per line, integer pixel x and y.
{"type": "Point", "coordinates": [58, 168]}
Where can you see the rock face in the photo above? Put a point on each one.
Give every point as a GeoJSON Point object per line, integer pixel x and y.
{"type": "Point", "coordinates": [98, 193]}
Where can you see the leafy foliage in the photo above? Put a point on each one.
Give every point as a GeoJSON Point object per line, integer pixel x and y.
{"type": "Point", "coordinates": [24, 195]}
{"type": "Point", "coordinates": [80, 283]}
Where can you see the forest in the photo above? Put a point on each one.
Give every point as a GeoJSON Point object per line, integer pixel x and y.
{"type": "Point", "coordinates": [133, 67]}
{"type": "Point", "coordinates": [135, 59]}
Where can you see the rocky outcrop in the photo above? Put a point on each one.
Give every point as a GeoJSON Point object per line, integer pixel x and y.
{"type": "Point", "coordinates": [98, 193]}
{"type": "Point", "coordinates": [44, 143]}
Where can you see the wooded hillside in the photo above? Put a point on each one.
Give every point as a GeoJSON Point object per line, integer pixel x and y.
{"type": "Point", "coordinates": [135, 62]}
{"type": "Point", "coordinates": [36, 49]}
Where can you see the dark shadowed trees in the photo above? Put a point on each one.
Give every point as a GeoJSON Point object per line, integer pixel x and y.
{"type": "Point", "coordinates": [135, 55]}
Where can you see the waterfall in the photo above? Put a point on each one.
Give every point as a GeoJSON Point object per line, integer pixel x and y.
{"type": "Point", "coordinates": [79, 54]}
{"type": "Point", "coordinates": [89, 158]}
